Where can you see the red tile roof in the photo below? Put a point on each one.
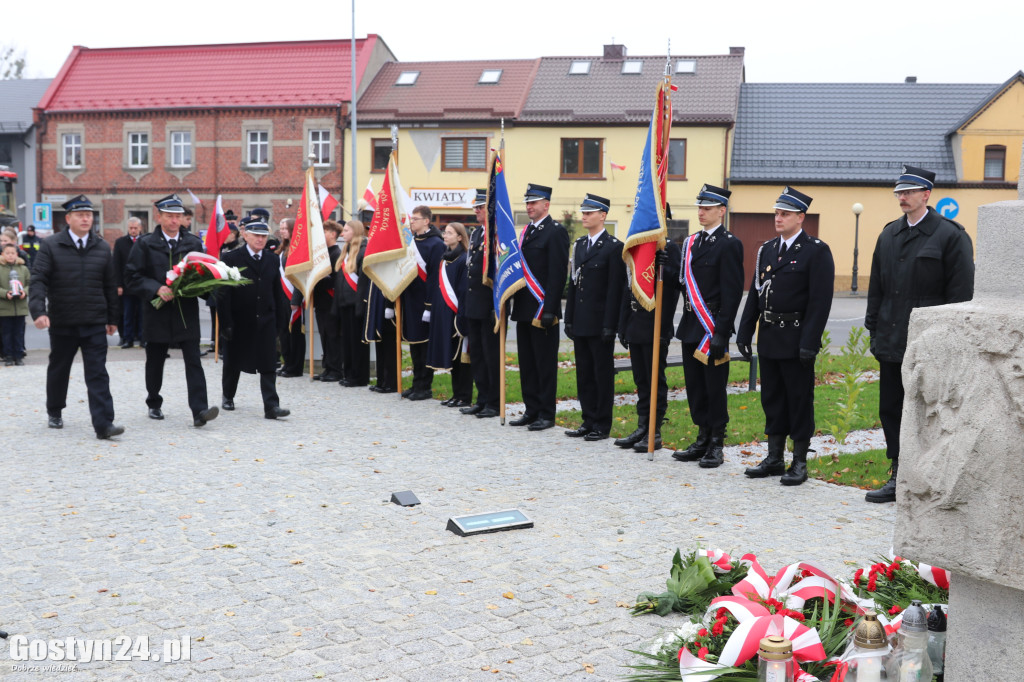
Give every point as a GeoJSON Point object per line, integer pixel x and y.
{"type": "Point", "coordinates": [606, 95]}
{"type": "Point", "coordinates": [208, 76]}
{"type": "Point", "coordinates": [448, 91]}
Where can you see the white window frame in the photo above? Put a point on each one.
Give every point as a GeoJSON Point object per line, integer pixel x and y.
{"type": "Point", "coordinates": [249, 147]}
{"type": "Point", "coordinates": [177, 144]}
{"type": "Point", "coordinates": [321, 146]}
{"type": "Point", "coordinates": [68, 145]}
{"type": "Point", "coordinates": [138, 141]}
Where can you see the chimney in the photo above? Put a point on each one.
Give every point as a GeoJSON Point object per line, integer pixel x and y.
{"type": "Point", "coordinates": [911, 79]}
{"type": "Point", "coordinates": [614, 51]}
{"type": "Point", "coordinates": [737, 50]}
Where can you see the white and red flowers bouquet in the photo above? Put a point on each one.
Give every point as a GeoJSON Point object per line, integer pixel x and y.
{"type": "Point", "coordinates": [197, 275]}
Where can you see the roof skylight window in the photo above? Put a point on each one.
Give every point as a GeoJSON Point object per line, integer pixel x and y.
{"type": "Point", "coordinates": [407, 78]}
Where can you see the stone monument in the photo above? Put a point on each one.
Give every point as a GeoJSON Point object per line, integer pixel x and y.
{"type": "Point", "coordinates": [960, 490]}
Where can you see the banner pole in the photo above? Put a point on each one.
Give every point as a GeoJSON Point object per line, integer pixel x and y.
{"type": "Point", "coordinates": [655, 362]}
{"type": "Point", "coordinates": [501, 362]}
{"type": "Point", "coordinates": [310, 327]}
{"type": "Point", "coordinates": [216, 335]}
{"type": "Point", "coordinates": [398, 344]}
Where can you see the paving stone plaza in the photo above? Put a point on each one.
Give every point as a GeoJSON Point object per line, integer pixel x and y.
{"type": "Point", "coordinates": [274, 547]}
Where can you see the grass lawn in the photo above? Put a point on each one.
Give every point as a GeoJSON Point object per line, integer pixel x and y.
{"type": "Point", "coordinates": [868, 470]}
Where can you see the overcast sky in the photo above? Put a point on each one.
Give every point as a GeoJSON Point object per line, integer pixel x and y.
{"type": "Point", "coordinates": [795, 41]}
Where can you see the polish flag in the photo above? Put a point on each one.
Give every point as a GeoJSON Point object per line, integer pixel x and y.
{"type": "Point", "coordinates": [327, 202]}
{"type": "Point", "coordinates": [617, 166]}
{"type": "Point", "coordinates": [369, 197]}
{"type": "Point", "coordinates": [216, 233]}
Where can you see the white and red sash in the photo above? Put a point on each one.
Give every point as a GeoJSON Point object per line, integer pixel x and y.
{"type": "Point", "coordinates": [707, 320]}
{"type": "Point", "coordinates": [448, 291]}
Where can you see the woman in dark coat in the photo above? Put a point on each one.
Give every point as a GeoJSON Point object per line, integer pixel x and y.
{"type": "Point", "coordinates": [445, 344]}
{"type": "Point", "coordinates": [350, 292]}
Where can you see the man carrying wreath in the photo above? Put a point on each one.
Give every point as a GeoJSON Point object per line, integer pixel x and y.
{"type": "Point", "coordinates": [177, 321]}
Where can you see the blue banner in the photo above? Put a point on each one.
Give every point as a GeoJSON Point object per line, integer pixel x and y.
{"type": "Point", "coordinates": [508, 271]}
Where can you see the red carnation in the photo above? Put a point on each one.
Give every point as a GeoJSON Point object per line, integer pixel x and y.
{"type": "Point", "coordinates": [721, 612]}
{"type": "Point", "coordinates": [703, 632]}
{"type": "Point", "coordinates": [858, 575]}
{"type": "Point", "coordinates": [703, 653]}
{"type": "Point", "coordinates": [872, 584]}
{"type": "Point", "coordinates": [895, 609]}
{"type": "Point", "coordinates": [717, 629]}
{"type": "Point", "coordinates": [848, 622]}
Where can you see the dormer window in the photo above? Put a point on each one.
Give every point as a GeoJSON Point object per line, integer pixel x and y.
{"type": "Point", "coordinates": [579, 67]}
{"type": "Point", "coordinates": [407, 78]}
{"type": "Point", "coordinates": [632, 66]}
{"type": "Point", "coordinates": [686, 66]}
{"type": "Point", "coordinates": [490, 76]}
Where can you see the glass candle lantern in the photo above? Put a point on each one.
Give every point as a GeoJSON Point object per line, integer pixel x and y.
{"type": "Point", "coordinates": [869, 656]}
{"type": "Point", "coordinates": [775, 660]}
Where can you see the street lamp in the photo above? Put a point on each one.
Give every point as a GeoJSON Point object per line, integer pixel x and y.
{"type": "Point", "coordinates": [858, 208]}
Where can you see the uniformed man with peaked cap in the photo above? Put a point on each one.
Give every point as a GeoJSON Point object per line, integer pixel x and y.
{"type": "Point", "coordinates": [596, 276]}
{"type": "Point", "coordinates": [789, 301]}
{"type": "Point", "coordinates": [478, 309]}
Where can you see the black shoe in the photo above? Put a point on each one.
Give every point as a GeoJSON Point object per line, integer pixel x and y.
{"type": "Point", "coordinates": [228, 404]}
{"type": "Point", "coordinates": [797, 472]}
{"type": "Point", "coordinates": [110, 431]}
{"type": "Point", "coordinates": [406, 392]}
{"type": "Point", "coordinates": [447, 403]}
{"type": "Point", "coordinates": [54, 421]}
{"type": "Point", "coordinates": [541, 424]}
{"type": "Point", "coordinates": [714, 457]}
{"type": "Point", "coordinates": [887, 493]}
{"type": "Point", "coordinates": [595, 436]}
{"type": "Point", "coordinates": [487, 413]}
{"type": "Point", "coordinates": [632, 439]}
{"type": "Point", "coordinates": [641, 445]}
{"type": "Point", "coordinates": [19, 362]}
{"type": "Point", "coordinates": [420, 395]}
{"type": "Point", "coordinates": [275, 412]}
{"type": "Point", "coordinates": [126, 345]}
{"type": "Point", "coordinates": [9, 362]}
{"type": "Point", "coordinates": [525, 420]}
{"type": "Point", "coordinates": [775, 463]}
{"type": "Point", "coordinates": [697, 449]}
{"type": "Point", "coordinates": [331, 377]}
{"type": "Point", "coordinates": [207, 415]}
{"type": "Point", "coordinates": [460, 403]}
{"type": "Point", "coordinates": [381, 389]}
{"type": "Point", "coordinates": [578, 433]}
{"type": "Point", "coordinates": [472, 409]}
{"type": "Point", "coordinates": [156, 413]}
{"type": "Point", "coordinates": [347, 383]}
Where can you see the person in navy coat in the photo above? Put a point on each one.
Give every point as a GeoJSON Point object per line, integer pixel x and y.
{"type": "Point", "coordinates": [416, 308]}
{"type": "Point", "coordinates": [447, 322]}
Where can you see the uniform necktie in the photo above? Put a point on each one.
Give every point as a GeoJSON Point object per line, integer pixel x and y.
{"type": "Point", "coordinates": [701, 238]}
{"type": "Point", "coordinates": [172, 243]}
{"type": "Point", "coordinates": [782, 250]}
{"type": "Point", "coordinates": [257, 256]}
{"type": "Point", "coordinates": [81, 245]}
{"type": "Point", "coordinates": [586, 247]}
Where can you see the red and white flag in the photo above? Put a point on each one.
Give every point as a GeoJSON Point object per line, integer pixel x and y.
{"type": "Point", "coordinates": [327, 202]}
{"type": "Point", "coordinates": [308, 261]}
{"type": "Point", "coordinates": [196, 201]}
{"type": "Point", "coordinates": [369, 197]}
{"type": "Point", "coordinates": [389, 261]}
{"type": "Point", "coordinates": [217, 232]}
{"type": "Point", "coordinates": [618, 166]}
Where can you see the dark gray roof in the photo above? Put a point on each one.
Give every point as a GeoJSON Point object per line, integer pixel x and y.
{"type": "Point", "coordinates": [709, 95]}
{"type": "Point", "coordinates": [848, 132]}
{"type": "Point", "coordinates": [17, 97]}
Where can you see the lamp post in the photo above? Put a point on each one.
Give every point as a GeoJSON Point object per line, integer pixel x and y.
{"type": "Point", "coordinates": [858, 208]}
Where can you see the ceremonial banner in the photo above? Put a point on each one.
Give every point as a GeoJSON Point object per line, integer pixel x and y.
{"type": "Point", "coordinates": [389, 260]}
{"type": "Point", "coordinates": [647, 229]}
{"type": "Point", "coordinates": [508, 264]}
{"type": "Point", "coordinates": [216, 233]}
{"type": "Point", "coordinates": [308, 260]}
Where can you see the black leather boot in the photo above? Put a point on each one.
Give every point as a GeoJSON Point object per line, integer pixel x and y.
{"type": "Point", "coordinates": [714, 457]}
{"type": "Point", "coordinates": [775, 463]}
{"type": "Point", "coordinates": [633, 438]}
{"type": "Point", "coordinates": [797, 472]}
{"type": "Point", "coordinates": [697, 448]}
{"type": "Point", "coordinates": [887, 493]}
{"type": "Point", "coordinates": [642, 444]}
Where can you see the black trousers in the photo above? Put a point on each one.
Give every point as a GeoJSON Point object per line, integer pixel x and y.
{"type": "Point", "coordinates": [705, 389]}
{"type": "Point", "coordinates": [386, 359]}
{"type": "Point", "coordinates": [787, 397]}
{"type": "Point", "coordinates": [641, 355]}
{"type": "Point", "coordinates": [355, 354]}
{"type": "Point", "coordinates": [195, 378]}
{"type": "Point", "coordinates": [64, 344]}
{"type": "Point", "coordinates": [595, 381]}
{"type": "Point", "coordinates": [890, 405]}
{"type": "Point", "coordinates": [462, 379]}
{"type": "Point", "coordinates": [130, 321]}
{"type": "Point", "coordinates": [293, 347]}
{"type": "Point", "coordinates": [422, 376]}
{"type": "Point", "coordinates": [538, 369]}
{"type": "Point", "coordinates": [330, 339]}
{"type": "Point", "coordinates": [483, 359]}
{"type": "Point", "coordinates": [268, 384]}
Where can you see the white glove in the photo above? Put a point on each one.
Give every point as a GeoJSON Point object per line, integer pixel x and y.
{"type": "Point", "coordinates": [426, 316]}
{"type": "Point", "coordinates": [389, 313]}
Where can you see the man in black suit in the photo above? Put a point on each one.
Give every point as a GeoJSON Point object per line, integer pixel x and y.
{"type": "Point", "coordinates": [636, 332]}
{"type": "Point", "coordinates": [536, 310]}
{"type": "Point", "coordinates": [712, 278]}
{"type": "Point", "coordinates": [416, 301]}
{"type": "Point", "coordinates": [592, 305]}
{"type": "Point", "coordinates": [250, 318]}
{"type": "Point", "coordinates": [479, 314]}
{"type": "Point", "coordinates": [130, 330]}
{"type": "Point", "coordinates": [789, 301]}
{"type": "Point", "coordinates": [74, 296]}
{"type": "Point", "coordinates": [177, 321]}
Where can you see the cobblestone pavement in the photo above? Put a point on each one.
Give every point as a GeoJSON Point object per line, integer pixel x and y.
{"type": "Point", "coordinates": [273, 545]}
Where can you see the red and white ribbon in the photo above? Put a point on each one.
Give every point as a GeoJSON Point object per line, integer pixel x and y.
{"type": "Point", "coordinates": [721, 561]}
{"type": "Point", "coordinates": [936, 576]}
{"type": "Point", "coordinates": [451, 299]}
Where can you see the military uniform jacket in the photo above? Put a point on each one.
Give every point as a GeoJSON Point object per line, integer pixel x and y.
{"type": "Point", "coordinates": [146, 271]}
{"type": "Point", "coordinates": [74, 288]}
{"type": "Point", "coordinates": [637, 324]}
{"type": "Point", "coordinates": [718, 268]}
{"type": "Point", "coordinates": [546, 251]}
{"type": "Point", "coordinates": [479, 301]}
{"type": "Point", "coordinates": [594, 297]}
{"type": "Point", "coordinates": [801, 284]}
{"type": "Point", "coordinates": [929, 264]}
{"type": "Point", "coordinates": [416, 297]}
{"type": "Point", "coordinates": [252, 314]}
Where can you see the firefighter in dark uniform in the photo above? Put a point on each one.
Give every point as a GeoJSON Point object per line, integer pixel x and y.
{"type": "Point", "coordinates": [716, 260]}
{"type": "Point", "coordinates": [920, 260]}
{"type": "Point", "coordinates": [250, 316]}
{"type": "Point", "coordinates": [636, 332]}
{"type": "Point", "coordinates": [545, 249]}
{"type": "Point", "coordinates": [416, 302]}
{"type": "Point", "coordinates": [592, 302]}
{"type": "Point", "coordinates": [789, 301]}
{"type": "Point", "coordinates": [479, 314]}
